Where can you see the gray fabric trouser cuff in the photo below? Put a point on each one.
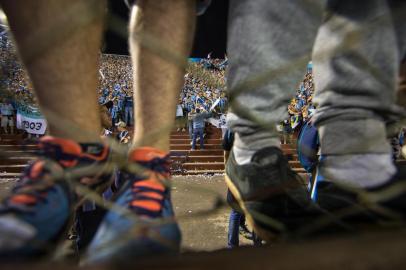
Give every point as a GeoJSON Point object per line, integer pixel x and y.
{"type": "Point", "coordinates": [353, 137]}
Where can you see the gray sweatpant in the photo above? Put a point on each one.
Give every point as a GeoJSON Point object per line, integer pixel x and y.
{"type": "Point", "coordinates": [356, 47]}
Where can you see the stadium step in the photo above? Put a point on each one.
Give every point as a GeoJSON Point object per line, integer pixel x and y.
{"type": "Point", "coordinates": [181, 137]}
{"type": "Point", "coordinates": [188, 141]}
{"type": "Point", "coordinates": [10, 141]}
{"type": "Point", "coordinates": [11, 136]}
{"type": "Point", "coordinates": [17, 160]}
{"type": "Point", "coordinates": [5, 177]}
{"type": "Point", "coordinates": [295, 164]}
{"type": "Point", "coordinates": [198, 152]}
{"type": "Point", "coordinates": [198, 158]}
{"type": "Point", "coordinates": [290, 151]}
{"type": "Point", "coordinates": [15, 153]}
{"type": "Point", "coordinates": [202, 172]}
{"type": "Point", "coordinates": [12, 168]}
{"type": "Point", "coordinates": [6, 147]}
{"type": "Point", "coordinates": [203, 165]}
{"type": "Point", "coordinates": [176, 147]}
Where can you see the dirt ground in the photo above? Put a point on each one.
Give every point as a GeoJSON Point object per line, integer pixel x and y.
{"type": "Point", "coordinates": [192, 197]}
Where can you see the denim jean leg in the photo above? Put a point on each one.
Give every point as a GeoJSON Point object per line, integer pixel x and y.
{"type": "Point", "coordinates": [194, 137]}
{"type": "Point", "coordinates": [201, 131]}
{"type": "Point", "coordinates": [233, 229]}
{"type": "Point", "coordinates": [190, 128]}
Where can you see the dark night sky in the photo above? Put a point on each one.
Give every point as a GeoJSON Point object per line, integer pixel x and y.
{"type": "Point", "coordinates": [210, 31]}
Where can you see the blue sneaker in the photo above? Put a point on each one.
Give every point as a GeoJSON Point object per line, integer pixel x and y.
{"type": "Point", "coordinates": [142, 223]}
{"type": "Point", "coordinates": [35, 216]}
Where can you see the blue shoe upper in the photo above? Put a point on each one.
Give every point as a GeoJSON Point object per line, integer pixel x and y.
{"type": "Point", "coordinates": [126, 232]}
{"type": "Point", "coordinates": [40, 209]}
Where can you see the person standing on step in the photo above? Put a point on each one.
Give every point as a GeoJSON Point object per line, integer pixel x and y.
{"type": "Point", "coordinates": [198, 126]}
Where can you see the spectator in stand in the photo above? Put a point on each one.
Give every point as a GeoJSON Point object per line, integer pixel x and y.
{"type": "Point", "coordinates": [115, 113]}
{"type": "Point", "coordinates": [7, 119]}
{"type": "Point", "coordinates": [180, 119]}
{"type": "Point", "coordinates": [223, 103]}
{"type": "Point", "coordinates": [128, 108]}
{"type": "Point", "coordinates": [123, 136]}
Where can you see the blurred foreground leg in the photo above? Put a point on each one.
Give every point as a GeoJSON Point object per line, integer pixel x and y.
{"type": "Point", "coordinates": [161, 35]}
{"type": "Point", "coordinates": [59, 42]}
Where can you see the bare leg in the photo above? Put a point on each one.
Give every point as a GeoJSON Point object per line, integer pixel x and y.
{"type": "Point", "coordinates": [158, 77]}
{"type": "Point", "coordinates": [59, 42]}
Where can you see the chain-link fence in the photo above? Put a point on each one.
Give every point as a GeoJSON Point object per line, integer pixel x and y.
{"type": "Point", "coordinates": [119, 161]}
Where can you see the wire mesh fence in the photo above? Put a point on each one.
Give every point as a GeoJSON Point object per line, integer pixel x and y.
{"type": "Point", "coordinates": [119, 153]}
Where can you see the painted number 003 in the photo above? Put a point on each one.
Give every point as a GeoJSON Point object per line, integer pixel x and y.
{"type": "Point", "coordinates": [32, 125]}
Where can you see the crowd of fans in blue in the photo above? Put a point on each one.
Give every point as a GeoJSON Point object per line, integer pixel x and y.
{"type": "Point", "coordinates": [115, 91]}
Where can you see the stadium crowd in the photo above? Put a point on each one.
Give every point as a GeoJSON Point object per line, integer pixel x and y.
{"type": "Point", "coordinates": [204, 85]}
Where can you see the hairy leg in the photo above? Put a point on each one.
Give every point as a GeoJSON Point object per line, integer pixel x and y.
{"type": "Point", "coordinates": [58, 42]}
{"type": "Point", "coordinates": [161, 35]}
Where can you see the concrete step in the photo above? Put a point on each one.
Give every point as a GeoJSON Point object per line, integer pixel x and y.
{"type": "Point", "coordinates": [180, 136]}
{"type": "Point", "coordinates": [188, 141]}
{"type": "Point", "coordinates": [186, 137]}
{"type": "Point", "coordinates": [198, 159]}
{"type": "Point", "coordinates": [295, 164]}
{"type": "Point", "coordinates": [16, 153]}
{"type": "Point", "coordinates": [205, 152]}
{"type": "Point", "coordinates": [11, 141]}
{"type": "Point", "coordinates": [4, 177]}
{"type": "Point", "coordinates": [7, 147]}
{"type": "Point", "coordinates": [16, 160]}
{"type": "Point", "coordinates": [289, 151]}
{"type": "Point", "coordinates": [203, 166]}
{"type": "Point", "coordinates": [174, 132]}
{"type": "Point", "coordinates": [288, 146]}
{"type": "Point", "coordinates": [12, 168]}
{"type": "Point", "coordinates": [188, 147]}
{"type": "Point", "coordinates": [11, 136]}
{"type": "Point", "coordinates": [299, 170]}
{"type": "Point", "coordinates": [201, 172]}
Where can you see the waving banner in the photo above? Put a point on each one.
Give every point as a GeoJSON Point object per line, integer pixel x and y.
{"type": "Point", "coordinates": [30, 119]}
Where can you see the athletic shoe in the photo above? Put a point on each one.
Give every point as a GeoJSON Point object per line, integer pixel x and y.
{"type": "Point", "coordinates": [142, 222]}
{"type": "Point", "coordinates": [273, 197]}
{"type": "Point", "coordinates": [358, 208]}
{"type": "Point", "coordinates": [37, 212]}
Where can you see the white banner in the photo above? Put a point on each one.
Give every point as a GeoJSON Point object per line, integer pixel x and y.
{"type": "Point", "coordinates": [218, 123]}
{"type": "Point", "coordinates": [214, 104]}
{"type": "Point", "coordinates": [31, 125]}
{"type": "Point", "coordinates": [30, 120]}
{"type": "Point", "coordinates": [215, 122]}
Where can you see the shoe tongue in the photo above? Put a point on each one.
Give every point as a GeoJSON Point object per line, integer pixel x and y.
{"type": "Point", "coordinates": [147, 154]}
{"type": "Point", "coordinates": [67, 152]}
{"type": "Point", "coordinates": [267, 156]}
{"type": "Point", "coordinates": [49, 143]}
{"type": "Point", "coordinates": [71, 147]}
